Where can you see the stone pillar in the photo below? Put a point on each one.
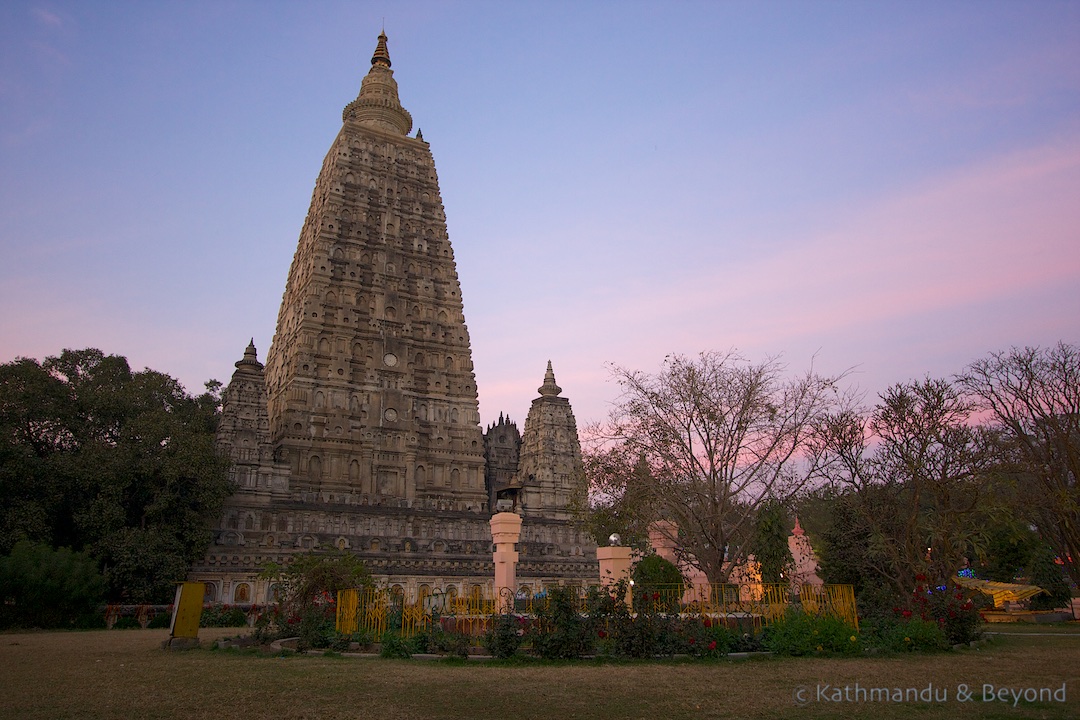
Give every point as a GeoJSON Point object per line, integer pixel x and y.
{"type": "Point", "coordinates": [505, 531]}
{"type": "Point", "coordinates": [615, 566]}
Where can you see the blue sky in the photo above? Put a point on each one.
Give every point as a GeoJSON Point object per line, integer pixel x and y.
{"type": "Point", "coordinates": [889, 187]}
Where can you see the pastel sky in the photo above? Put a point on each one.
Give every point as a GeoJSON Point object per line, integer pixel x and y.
{"type": "Point", "coordinates": [892, 187]}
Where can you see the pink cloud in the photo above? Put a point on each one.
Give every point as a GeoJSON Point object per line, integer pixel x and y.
{"type": "Point", "coordinates": [48, 17]}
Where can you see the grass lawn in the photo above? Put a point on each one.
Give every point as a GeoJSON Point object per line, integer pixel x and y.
{"type": "Point", "coordinates": [124, 674]}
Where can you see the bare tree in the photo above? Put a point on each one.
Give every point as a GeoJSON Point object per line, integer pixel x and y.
{"type": "Point", "coordinates": [1033, 395]}
{"type": "Point", "coordinates": [717, 435]}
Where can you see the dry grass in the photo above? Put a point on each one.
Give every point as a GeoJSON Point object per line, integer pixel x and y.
{"type": "Point", "coordinates": [124, 674]}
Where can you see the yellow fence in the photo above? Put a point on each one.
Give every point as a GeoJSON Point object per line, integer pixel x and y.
{"type": "Point", "coordinates": [761, 603]}
{"type": "Point", "coordinates": [378, 610]}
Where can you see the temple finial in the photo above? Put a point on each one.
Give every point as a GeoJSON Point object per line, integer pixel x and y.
{"type": "Point", "coordinates": [549, 388]}
{"type": "Point", "coordinates": [798, 528]}
{"type": "Point", "coordinates": [382, 55]}
{"type": "Point", "coordinates": [378, 105]}
{"type": "Point", "coordinates": [251, 357]}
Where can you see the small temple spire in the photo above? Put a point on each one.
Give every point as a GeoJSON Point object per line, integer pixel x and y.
{"type": "Point", "coordinates": [549, 388]}
{"type": "Point", "coordinates": [251, 356]}
{"type": "Point", "coordinates": [382, 54]}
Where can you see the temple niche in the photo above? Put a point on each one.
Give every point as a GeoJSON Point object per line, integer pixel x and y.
{"type": "Point", "coordinates": [363, 431]}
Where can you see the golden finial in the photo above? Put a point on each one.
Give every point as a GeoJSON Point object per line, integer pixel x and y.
{"type": "Point", "coordinates": [382, 55]}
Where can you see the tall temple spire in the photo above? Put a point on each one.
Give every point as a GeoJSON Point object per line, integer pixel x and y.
{"type": "Point", "coordinates": [370, 374]}
{"type": "Point", "coordinates": [362, 432]}
{"type": "Point", "coordinates": [378, 105]}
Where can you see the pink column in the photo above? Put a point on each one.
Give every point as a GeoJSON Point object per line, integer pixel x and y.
{"type": "Point", "coordinates": [505, 531]}
{"type": "Point", "coordinates": [615, 566]}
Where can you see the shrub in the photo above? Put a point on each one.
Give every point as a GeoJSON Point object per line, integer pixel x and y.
{"type": "Point", "coordinates": [802, 634]}
{"type": "Point", "coordinates": [42, 587]}
{"type": "Point", "coordinates": [450, 643]}
{"type": "Point", "coordinates": [747, 641]}
{"type": "Point", "coordinates": [269, 625]}
{"type": "Point", "coordinates": [704, 637]}
{"type": "Point", "coordinates": [505, 634]}
{"type": "Point", "coordinates": [342, 642]}
{"type": "Point", "coordinates": [395, 646]}
{"type": "Point", "coordinates": [647, 632]}
{"type": "Point", "coordinates": [949, 607]}
{"type": "Point", "coordinates": [560, 631]}
{"type": "Point", "coordinates": [127, 622]}
{"type": "Point", "coordinates": [315, 628]}
{"type": "Point", "coordinates": [421, 643]}
{"type": "Point", "coordinates": [339, 642]}
{"type": "Point", "coordinates": [1047, 574]}
{"type": "Point", "coordinates": [314, 579]}
{"type": "Point", "coordinates": [219, 616]}
{"type": "Point", "coordinates": [913, 635]}
{"type": "Point", "coordinates": [653, 572]}
{"type": "Point", "coordinates": [161, 620]}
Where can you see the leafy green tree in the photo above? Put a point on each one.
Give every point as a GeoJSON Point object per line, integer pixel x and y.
{"type": "Point", "coordinates": [116, 463]}
{"type": "Point", "coordinates": [1044, 571]}
{"type": "Point", "coordinates": [314, 578]}
{"type": "Point", "coordinates": [42, 587]}
{"type": "Point", "coordinates": [770, 543]}
{"type": "Point", "coordinates": [654, 572]}
{"type": "Point", "coordinates": [852, 551]}
{"type": "Point", "coordinates": [617, 500]}
{"type": "Point", "coordinates": [915, 473]}
{"type": "Point", "coordinates": [1008, 552]}
{"type": "Point", "coordinates": [308, 587]}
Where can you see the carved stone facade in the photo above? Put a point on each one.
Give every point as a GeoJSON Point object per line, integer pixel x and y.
{"type": "Point", "coordinates": [363, 433]}
{"type": "Point", "coordinates": [551, 467]}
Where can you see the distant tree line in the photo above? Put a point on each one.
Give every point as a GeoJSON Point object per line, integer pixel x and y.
{"type": "Point", "coordinates": [939, 474]}
{"type": "Point", "coordinates": [116, 468]}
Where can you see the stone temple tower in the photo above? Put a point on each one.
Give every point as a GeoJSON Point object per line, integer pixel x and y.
{"type": "Point", "coordinates": [363, 433]}
{"type": "Point", "coordinates": [550, 468]}
{"type": "Point", "coordinates": [370, 374]}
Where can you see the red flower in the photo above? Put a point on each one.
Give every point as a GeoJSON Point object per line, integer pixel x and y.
{"type": "Point", "coordinates": [920, 577]}
{"type": "Point", "coordinates": [708, 622]}
{"type": "Point", "coordinates": [712, 645]}
{"type": "Point", "coordinates": [906, 613]}
{"type": "Point", "coordinates": [602, 633]}
{"type": "Point", "coordinates": [692, 641]}
{"type": "Point", "coordinates": [656, 596]}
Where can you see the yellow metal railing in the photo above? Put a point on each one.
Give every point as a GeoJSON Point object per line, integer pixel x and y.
{"type": "Point", "coordinates": [377, 610]}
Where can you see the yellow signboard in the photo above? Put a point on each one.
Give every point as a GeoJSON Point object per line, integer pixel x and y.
{"type": "Point", "coordinates": [187, 610]}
